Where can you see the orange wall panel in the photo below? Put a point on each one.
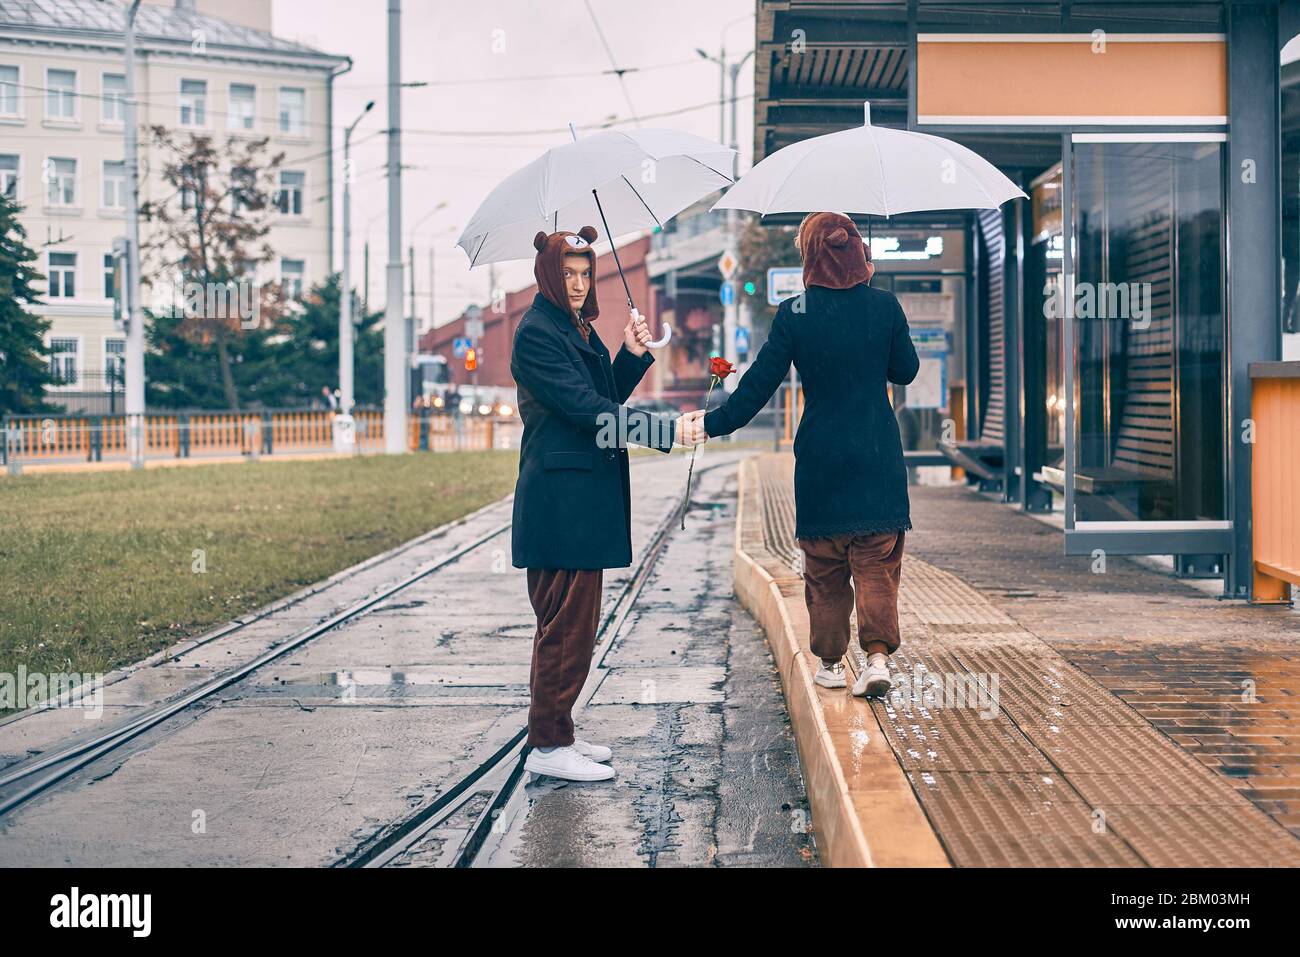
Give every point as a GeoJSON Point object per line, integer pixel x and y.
{"type": "Point", "coordinates": [1066, 80]}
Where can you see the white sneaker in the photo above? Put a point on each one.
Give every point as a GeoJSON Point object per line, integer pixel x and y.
{"type": "Point", "coordinates": [832, 677]}
{"type": "Point", "coordinates": [874, 681]}
{"type": "Point", "coordinates": [568, 764]}
{"type": "Point", "coordinates": [593, 752]}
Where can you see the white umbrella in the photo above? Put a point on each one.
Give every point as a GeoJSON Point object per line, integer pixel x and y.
{"type": "Point", "coordinates": [644, 178]}
{"type": "Point", "coordinates": [635, 178]}
{"type": "Point", "coordinates": [872, 170]}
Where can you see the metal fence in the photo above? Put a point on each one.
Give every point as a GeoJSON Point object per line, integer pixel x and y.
{"type": "Point", "coordinates": [73, 439]}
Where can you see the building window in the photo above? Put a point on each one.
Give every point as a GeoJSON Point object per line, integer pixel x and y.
{"type": "Point", "coordinates": [194, 95]}
{"type": "Point", "coordinates": [112, 104]}
{"type": "Point", "coordinates": [61, 94]}
{"type": "Point", "coordinates": [292, 272]}
{"type": "Point", "coordinates": [243, 104]}
{"type": "Point", "coordinates": [293, 110]}
{"type": "Point", "coordinates": [62, 175]}
{"type": "Point", "coordinates": [62, 275]}
{"type": "Point", "coordinates": [114, 360]}
{"type": "Point", "coordinates": [9, 176]}
{"type": "Point", "coordinates": [289, 195]}
{"type": "Point", "coordinates": [9, 91]}
{"type": "Point", "coordinates": [63, 360]}
{"type": "Point", "coordinates": [114, 195]}
{"type": "Point", "coordinates": [110, 276]}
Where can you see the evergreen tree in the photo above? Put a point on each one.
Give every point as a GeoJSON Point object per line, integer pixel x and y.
{"type": "Point", "coordinates": [307, 350]}
{"type": "Point", "coordinates": [283, 366]}
{"type": "Point", "coordinates": [24, 363]}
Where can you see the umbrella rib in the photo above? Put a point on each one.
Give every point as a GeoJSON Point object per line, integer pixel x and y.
{"type": "Point", "coordinates": [708, 167]}
{"type": "Point", "coordinates": [473, 260]}
{"type": "Point", "coordinates": [957, 162]}
{"type": "Point", "coordinates": [884, 187]}
{"type": "Point", "coordinates": [789, 176]}
{"type": "Point", "coordinates": [643, 203]}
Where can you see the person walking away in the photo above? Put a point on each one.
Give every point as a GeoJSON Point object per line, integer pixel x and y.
{"type": "Point", "coordinates": [848, 341]}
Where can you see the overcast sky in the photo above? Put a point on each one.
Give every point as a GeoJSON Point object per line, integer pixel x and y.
{"type": "Point", "coordinates": [506, 78]}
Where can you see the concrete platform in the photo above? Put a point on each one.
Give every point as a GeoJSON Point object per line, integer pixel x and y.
{"type": "Point", "coordinates": [1035, 719]}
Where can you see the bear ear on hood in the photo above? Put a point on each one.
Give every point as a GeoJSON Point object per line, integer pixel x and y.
{"type": "Point", "coordinates": [838, 237]}
{"type": "Point", "coordinates": [539, 240]}
{"type": "Point", "coordinates": [588, 233]}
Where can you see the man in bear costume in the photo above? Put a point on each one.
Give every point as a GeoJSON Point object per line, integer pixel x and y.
{"type": "Point", "coordinates": [573, 499]}
{"type": "Point", "coordinates": [848, 341]}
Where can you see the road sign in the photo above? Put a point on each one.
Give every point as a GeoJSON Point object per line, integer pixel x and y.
{"type": "Point", "coordinates": [783, 282]}
{"type": "Point", "coordinates": [728, 264]}
{"type": "Point", "coordinates": [459, 347]}
{"type": "Point", "coordinates": [474, 328]}
{"type": "Point", "coordinates": [929, 390]}
{"type": "Point", "coordinates": [742, 339]}
{"type": "Point", "coordinates": [727, 293]}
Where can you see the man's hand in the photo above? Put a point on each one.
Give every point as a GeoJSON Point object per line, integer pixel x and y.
{"type": "Point", "coordinates": [636, 334]}
{"type": "Point", "coordinates": [690, 429]}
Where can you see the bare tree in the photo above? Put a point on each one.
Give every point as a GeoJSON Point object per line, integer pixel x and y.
{"type": "Point", "coordinates": [209, 238]}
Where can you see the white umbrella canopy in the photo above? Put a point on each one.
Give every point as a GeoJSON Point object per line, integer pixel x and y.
{"type": "Point", "coordinates": [643, 177]}
{"type": "Point", "coordinates": [871, 170]}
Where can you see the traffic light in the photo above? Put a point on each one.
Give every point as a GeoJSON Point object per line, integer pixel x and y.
{"type": "Point", "coordinates": [750, 288]}
{"type": "Point", "coordinates": [471, 359]}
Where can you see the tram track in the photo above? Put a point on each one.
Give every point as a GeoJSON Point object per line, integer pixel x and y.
{"type": "Point", "coordinates": [501, 772]}
{"type": "Point", "coordinates": [63, 763]}
{"type": "Point", "coordinates": [56, 766]}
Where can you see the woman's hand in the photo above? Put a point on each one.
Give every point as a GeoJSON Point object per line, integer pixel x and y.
{"type": "Point", "coordinates": [636, 334]}
{"type": "Point", "coordinates": [690, 429]}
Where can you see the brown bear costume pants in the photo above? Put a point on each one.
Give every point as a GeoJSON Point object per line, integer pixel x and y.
{"type": "Point", "coordinates": [836, 568]}
{"type": "Point", "coordinates": [567, 603]}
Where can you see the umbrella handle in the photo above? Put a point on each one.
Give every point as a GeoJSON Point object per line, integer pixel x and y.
{"type": "Point", "coordinates": [662, 340]}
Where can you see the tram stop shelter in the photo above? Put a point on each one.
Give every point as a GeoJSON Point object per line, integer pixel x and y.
{"type": "Point", "coordinates": [1095, 343]}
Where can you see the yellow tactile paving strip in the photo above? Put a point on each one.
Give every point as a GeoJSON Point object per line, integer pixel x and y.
{"type": "Point", "coordinates": [1016, 757]}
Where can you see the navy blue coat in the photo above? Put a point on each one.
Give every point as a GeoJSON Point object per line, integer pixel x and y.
{"type": "Point", "coordinates": [573, 499]}
{"type": "Point", "coordinates": [849, 472]}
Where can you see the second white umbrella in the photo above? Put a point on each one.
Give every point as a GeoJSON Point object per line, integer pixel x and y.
{"type": "Point", "coordinates": [871, 170]}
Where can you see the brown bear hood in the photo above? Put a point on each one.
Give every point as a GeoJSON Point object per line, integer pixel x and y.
{"type": "Point", "coordinates": [833, 253]}
{"type": "Point", "coordinates": [548, 267]}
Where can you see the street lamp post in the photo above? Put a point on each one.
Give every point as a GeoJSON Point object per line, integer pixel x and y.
{"type": "Point", "coordinates": [395, 375]}
{"type": "Point", "coordinates": [135, 314]}
{"type": "Point", "coordinates": [730, 310]}
{"type": "Point", "coordinates": [343, 430]}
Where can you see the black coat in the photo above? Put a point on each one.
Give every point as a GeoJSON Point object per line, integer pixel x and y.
{"type": "Point", "coordinates": [573, 500]}
{"type": "Point", "coordinates": [849, 475]}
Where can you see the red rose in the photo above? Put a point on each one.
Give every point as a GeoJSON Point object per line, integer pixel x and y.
{"type": "Point", "coordinates": [720, 367]}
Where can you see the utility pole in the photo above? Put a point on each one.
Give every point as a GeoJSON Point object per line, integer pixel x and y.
{"type": "Point", "coordinates": [135, 314]}
{"type": "Point", "coordinates": [429, 324]}
{"type": "Point", "coordinates": [395, 377]}
{"type": "Point", "coordinates": [410, 260]}
{"type": "Point", "coordinates": [732, 315]}
{"type": "Point", "coordinates": [731, 309]}
{"type": "Point", "coordinates": [344, 436]}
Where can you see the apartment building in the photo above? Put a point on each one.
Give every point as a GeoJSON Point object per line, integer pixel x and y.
{"type": "Point", "coordinates": [62, 146]}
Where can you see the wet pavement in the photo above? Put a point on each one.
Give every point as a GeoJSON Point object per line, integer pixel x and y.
{"type": "Point", "coordinates": [1218, 678]}
{"type": "Point", "coordinates": [691, 704]}
{"type": "Point", "coordinates": [1047, 716]}
{"type": "Point", "coordinates": [314, 753]}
